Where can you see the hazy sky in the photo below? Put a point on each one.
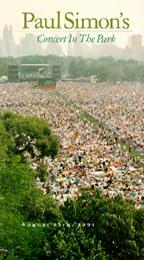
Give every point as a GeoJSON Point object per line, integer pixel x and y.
{"type": "Point", "coordinates": [10, 12]}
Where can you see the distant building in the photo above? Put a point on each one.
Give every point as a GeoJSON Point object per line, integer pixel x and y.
{"type": "Point", "coordinates": [135, 50]}
{"type": "Point", "coordinates": [28, 45]}
{"type": "Point", "coordinates": [135, 42]}
{"type": "Point", "coordinates": [8, 46]}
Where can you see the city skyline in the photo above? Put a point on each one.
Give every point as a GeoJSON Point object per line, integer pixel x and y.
{"type": "Point", "coordinates": [11, 14]}
{"type": "Point", "coordinates": [29, 46]}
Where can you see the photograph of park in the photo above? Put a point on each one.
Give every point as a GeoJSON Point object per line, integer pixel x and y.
{"type": "Point", "coordinates": [72, 130]}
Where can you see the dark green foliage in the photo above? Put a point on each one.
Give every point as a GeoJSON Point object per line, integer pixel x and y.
{"type": "Point", "coordinates": [113, 223]}
{"type": "Point", "coordinates": [21, 202]}
{"type": "Point", "coordinates": [42, 172]}
{"type": "Point", "coordinates": [4, 142]}
{"type": "Point", "coordinates": [27, 133]}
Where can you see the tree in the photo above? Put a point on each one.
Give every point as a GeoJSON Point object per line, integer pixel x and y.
{"type": "Point", "coordinates": [30, 134]}
{"type": "Point", "coordinates": [22, 202]}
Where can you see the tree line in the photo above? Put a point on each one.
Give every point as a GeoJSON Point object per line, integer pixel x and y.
{"type": "Point", "coordinates": [106, 68]}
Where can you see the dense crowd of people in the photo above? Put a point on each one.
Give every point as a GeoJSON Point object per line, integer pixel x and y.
{"type": "Point", "coordinates": [120, 107]}
{"type": "Point", "coordinates": [89, 158]}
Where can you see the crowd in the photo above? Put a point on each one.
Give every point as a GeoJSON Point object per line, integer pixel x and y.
{"type": "Point", "coordinates": [120, 107]}
{"type": "Point", "coordinates": [89, 158]}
